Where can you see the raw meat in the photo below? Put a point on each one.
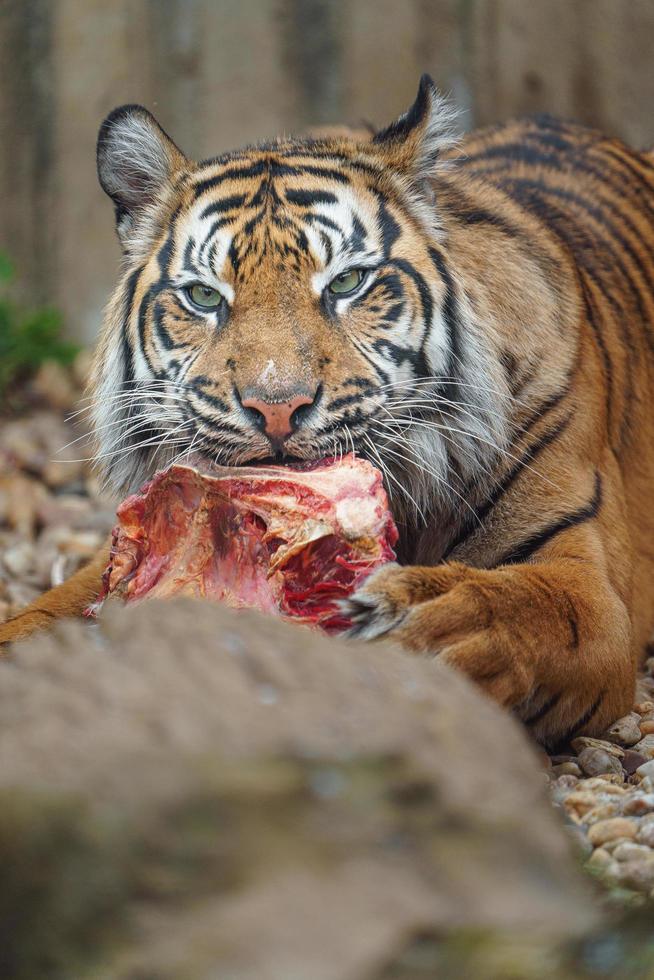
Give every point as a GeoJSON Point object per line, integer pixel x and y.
{"type": "Point", "coordinates": [286, 540]}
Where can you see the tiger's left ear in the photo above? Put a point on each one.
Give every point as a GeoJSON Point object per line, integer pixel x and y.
{"type": "Point", "coordinates": [415, 141]}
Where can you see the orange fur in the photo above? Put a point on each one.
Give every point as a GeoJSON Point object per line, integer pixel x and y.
{"type": "Point", "coordinates": [523, 263]}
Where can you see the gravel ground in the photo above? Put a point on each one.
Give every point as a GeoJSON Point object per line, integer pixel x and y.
{"type": "Point", "coordinates": [53, 517]}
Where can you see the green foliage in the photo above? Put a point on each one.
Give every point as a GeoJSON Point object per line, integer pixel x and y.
{"type": "Point", "coordinates": [27, 339]}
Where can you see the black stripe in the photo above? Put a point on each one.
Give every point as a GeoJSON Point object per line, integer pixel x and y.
{"type": "Point", "coordinates": [536, 541]}
{"type": "Point", "coordinates": [343, 400]}
{"type": "Point", "coordinates": [213, 400]}
{"type": "Point", "coordinates": [128, 353]}
{"type": "Point", "coordinates": [645, 185]}
{"type": "Point", "coordinates": [594, 321]}
{"type": "Point", "coordinates": [585, 251]}
{"type": "Point", "coordinates": [224, 204]}
{"type": "Point", "coordinates": [549, 404]}
{"type": "Point", "coordinates": [188, 253]}
{"type": "Point", "coordinates": [597, 213]}
{"type": "Point", "coordinates": [142, 325]}
{"type": "Point", "coordinates": [303, 170]}
{"type": "Point", "coordinates": [327, 245]}
{"type": "Point", "coordinates": [390, 229]}
{"type": "Point", "coordinates": [517, 153]}
{"type": "Point", "coordinates": [468, 212]}
{"type": "Point", "coordinates": [322, 219]}
{"type": "Point", "coordinates": [501, 488]}
{"type": "Point", "coordinates": [581, 722]}
{"type": "Point", "coordinates": [452, 324]}
{"type": "Point", "coordinates": [255, 169]}
{"type": "Point", "coordinates": [427, 306]}
{"type": "Point", "coordinates": [167, 250]}
{"type": "Point", "coordinates": [383, 376]}
{"type": "Point", "coordinates": [307, 199]}
{"type": "Point", "coordinates": [544, 709]}
{"type": "Point", "coordinates": [161, 330]}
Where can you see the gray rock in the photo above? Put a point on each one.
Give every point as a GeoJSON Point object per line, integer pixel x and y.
{"type": "Point", "coordinates": [595, 761]}
{"type": "Point", "coordinates": [625, 731]}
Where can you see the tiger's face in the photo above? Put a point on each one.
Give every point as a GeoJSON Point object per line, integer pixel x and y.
{"type": "Point", "coordinates": [288, 302]}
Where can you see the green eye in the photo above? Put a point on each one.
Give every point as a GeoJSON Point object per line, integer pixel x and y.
{"type": "Point", "coordinates": [204, 296]}
{"type": "Point", "coordinates": [347, 282]}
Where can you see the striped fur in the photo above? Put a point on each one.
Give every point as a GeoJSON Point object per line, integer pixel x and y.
{"type": "Point", "coordinates": [496, 362]}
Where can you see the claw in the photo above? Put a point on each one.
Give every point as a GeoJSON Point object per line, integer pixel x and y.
{"type": "Point", "coordinates": [371, 616]}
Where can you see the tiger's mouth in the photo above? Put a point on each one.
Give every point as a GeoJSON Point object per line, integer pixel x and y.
{"type": "Point", "coordinates": [284, 459]}
{"type": "Point", "coordinates": [206, 463]}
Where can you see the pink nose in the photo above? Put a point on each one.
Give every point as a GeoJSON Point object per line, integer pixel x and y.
{"type": "Point", "coordinates": [277, 416]}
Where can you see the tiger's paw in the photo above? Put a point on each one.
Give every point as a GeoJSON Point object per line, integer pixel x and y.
{"type": "Point", "coordinates": [452, 611]}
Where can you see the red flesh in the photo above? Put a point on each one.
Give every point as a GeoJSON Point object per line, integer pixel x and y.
{"type": "Point", "coordinates": [289, 541]}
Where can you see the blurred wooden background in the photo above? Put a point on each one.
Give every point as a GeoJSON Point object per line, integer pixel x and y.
{"type": "Point", "coordinates": [218, 73]}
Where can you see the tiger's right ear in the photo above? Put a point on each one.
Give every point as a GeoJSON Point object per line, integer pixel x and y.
{"type": "Point", "coordinates": [137, 162]}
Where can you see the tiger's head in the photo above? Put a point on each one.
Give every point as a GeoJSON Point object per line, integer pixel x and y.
{"type": "Point", "coordinates": [294, 300]}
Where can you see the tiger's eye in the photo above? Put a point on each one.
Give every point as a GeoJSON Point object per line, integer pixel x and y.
{"type": "Point", "coordinates": [347, 282]}
{"type": "Point", "coordinates": [204, 296]}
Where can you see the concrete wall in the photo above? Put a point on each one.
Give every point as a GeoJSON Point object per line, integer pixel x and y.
{"type": "Point", "coordinates": [218, 73]}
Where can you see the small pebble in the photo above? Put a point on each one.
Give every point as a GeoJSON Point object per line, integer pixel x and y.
{"type": "Point", "coordinates": [607, 830]}
{"type": "Point", "coordinates": [584, 742]}
{"type": "Point", "coordinates": [607, 783]}
{"type": "Point", "coordinates": [647, 727]}
{"type": "Point", "coordinates": [643, 707]}
{"type": "Point", "coordinates": [637, 873]}
{"type": "Point", "coordinates": [646, 746]}
{"type": "Point", "coordinates": [566, 782]}
{"type": "Point", "coordinates": [625, 731]}
{"type": "Point", "coordinates": [594, 761]}
{"type": "Point", "coordinates": [645, 834]}
{"type": "Point", "coordinates": [19, 559]}
{"type": "Point", "coordinates": [566, 769]}
{"type": "Point", "coordinates": [632, 760]}
{"type": "Point", "coordinates": [627, 851]}
{"type": "Point", "coordinates": [638, 805]}
{"type": "Point", "coordinates": [599, 860]}
{"type": "Point", "coordinates": [602, 812]}
{"type": "Point", "coordinates": [580, 802]}
{"type": "Point", "coordinates": [612, 845]}
{"type": "Point", "coordinates": [647, 769]}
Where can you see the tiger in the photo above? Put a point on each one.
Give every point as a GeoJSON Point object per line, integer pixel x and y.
{"type": "Point", "coordinates": [473, 314]}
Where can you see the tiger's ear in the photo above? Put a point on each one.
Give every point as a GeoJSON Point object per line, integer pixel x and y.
{"type": "Point", "coordinates": [413, 143]}
{"type": "Point", "coordinates": [137, 162]}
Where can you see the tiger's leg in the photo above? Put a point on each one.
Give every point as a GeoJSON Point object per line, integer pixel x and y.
{"type": "Point", "coordinates": [550, 637]}
{"type": "Point", "coordinates": [68, 599]}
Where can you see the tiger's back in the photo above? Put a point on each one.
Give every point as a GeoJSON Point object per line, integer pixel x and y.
{"type": "Point", "coordinates": [554, 184]}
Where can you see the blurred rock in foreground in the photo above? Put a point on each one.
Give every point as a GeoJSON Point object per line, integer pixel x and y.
{"type": "Point", "coordinates": [189, 792]}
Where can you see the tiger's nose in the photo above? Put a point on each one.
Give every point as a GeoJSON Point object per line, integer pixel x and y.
{"type": "Point", "coordinates": [278, 419]}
